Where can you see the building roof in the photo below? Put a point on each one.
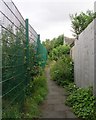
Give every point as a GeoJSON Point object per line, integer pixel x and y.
{"type": "Point", "coordinates": [69, 41]}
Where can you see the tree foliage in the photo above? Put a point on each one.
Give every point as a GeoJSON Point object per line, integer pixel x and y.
{"type": "Point", "coordinates": [81, 21]}
{"type": "Point", "coordinates": [59, 51]}
{"type": "Point", "coordinates": [55, 42]}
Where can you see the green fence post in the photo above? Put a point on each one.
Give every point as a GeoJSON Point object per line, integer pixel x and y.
{"type": "Point", "coordinates": [38, 48]}
{"type": "Point", "coordinates": [27, 49]}
{"type": "Point", "coordinates": [38, 43]}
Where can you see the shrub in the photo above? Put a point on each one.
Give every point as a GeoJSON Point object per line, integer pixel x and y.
{"type": "Point", "coordinates": [83, 103]}
{"type": "Point", "coordinates": [59, 51]}
{"type": "Point", "coordinates": [40, 89]}
{"type": "Point", "coordinates": [62, 71]}
{"type": "Point", "coordinates": [35, 94]}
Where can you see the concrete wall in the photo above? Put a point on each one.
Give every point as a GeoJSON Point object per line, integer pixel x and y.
{"type": "Point", "coordinates": [94, 86]}
{"type": "Point", "coordinates": [85, 57]}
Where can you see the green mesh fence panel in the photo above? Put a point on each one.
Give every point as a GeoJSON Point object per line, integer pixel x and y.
{"type": "Point", "coordinates": [20, 51]}
{"type": "Point", "coordinates": [13, 55]}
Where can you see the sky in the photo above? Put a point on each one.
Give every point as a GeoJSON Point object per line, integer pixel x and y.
{"type": "Point", "coordinates": [50, 18]}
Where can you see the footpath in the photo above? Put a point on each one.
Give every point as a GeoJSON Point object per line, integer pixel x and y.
{"type": "Point", "coordinates": [53, 106]}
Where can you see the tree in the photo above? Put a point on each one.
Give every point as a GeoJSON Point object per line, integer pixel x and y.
{"type": "Point", "coordinates": [55, 42]}
{"type": "Point", "coordinates": [81, 21]}
{"type": "Point", "coordinates": [58, 41]}
{"type": "Point", "coordinates": [59, 51]}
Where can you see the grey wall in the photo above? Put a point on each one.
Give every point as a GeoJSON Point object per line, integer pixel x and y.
{"type": "Point", "coordinates": [84, 57]}
{"type": "Point", "coordinates": [94, 86]}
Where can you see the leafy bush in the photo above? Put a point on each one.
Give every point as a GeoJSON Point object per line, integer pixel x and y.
{"type": "Point", "coordinates": [55, 42]}
{"type": "Point", "coordinates": [40, 89]}
{"type": "Point", "coordinates": [58, 41]}
{"type": "Point", "coordinates": [83, 103]}
{"type": "Point", "coordinates": [59, 51]}
{"type": "Point", "coordinates": [62, 71]}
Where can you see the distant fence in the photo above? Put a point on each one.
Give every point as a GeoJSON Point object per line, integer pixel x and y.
{"type": "Point", "coordinates": [18, 42]}
{"type": "Point", "coordinates": [85, 57]}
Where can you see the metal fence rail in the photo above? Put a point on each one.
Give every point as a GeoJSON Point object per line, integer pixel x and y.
{"type": "Point", "coordinates": [18, 42]}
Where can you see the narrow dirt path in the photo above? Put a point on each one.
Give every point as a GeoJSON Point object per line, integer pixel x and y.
{"type": "Point", "coordinates": [53, 106]}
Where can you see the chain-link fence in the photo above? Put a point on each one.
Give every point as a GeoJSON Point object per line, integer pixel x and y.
{"type": "Point", "coordinates": [19, 49]}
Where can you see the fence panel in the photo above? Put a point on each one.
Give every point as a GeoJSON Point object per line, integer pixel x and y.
{"type": "Point", "coordinates": [19, 51]}
{"type": "Point", "coordinates": [13, 55]}
{"type": "Point", "coordinates": [0, 69]}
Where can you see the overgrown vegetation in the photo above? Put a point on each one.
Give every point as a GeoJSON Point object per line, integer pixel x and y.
{"type": "Point", "coordinates": [62, 71]}
{"type": "Point", "coordinates": [55, 42]}
{"type": "Point", "coordinates": [35, 94]}
{"type": "Point", "coordinates": [82, 102]}
{"type": "Point", "coordinates": [58, 52]}
{"type": "Point", "coordinates": [70, 88]}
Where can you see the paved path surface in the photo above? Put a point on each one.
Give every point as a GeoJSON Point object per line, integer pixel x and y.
{"type": "Point", "coordinates": [53, 106]}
